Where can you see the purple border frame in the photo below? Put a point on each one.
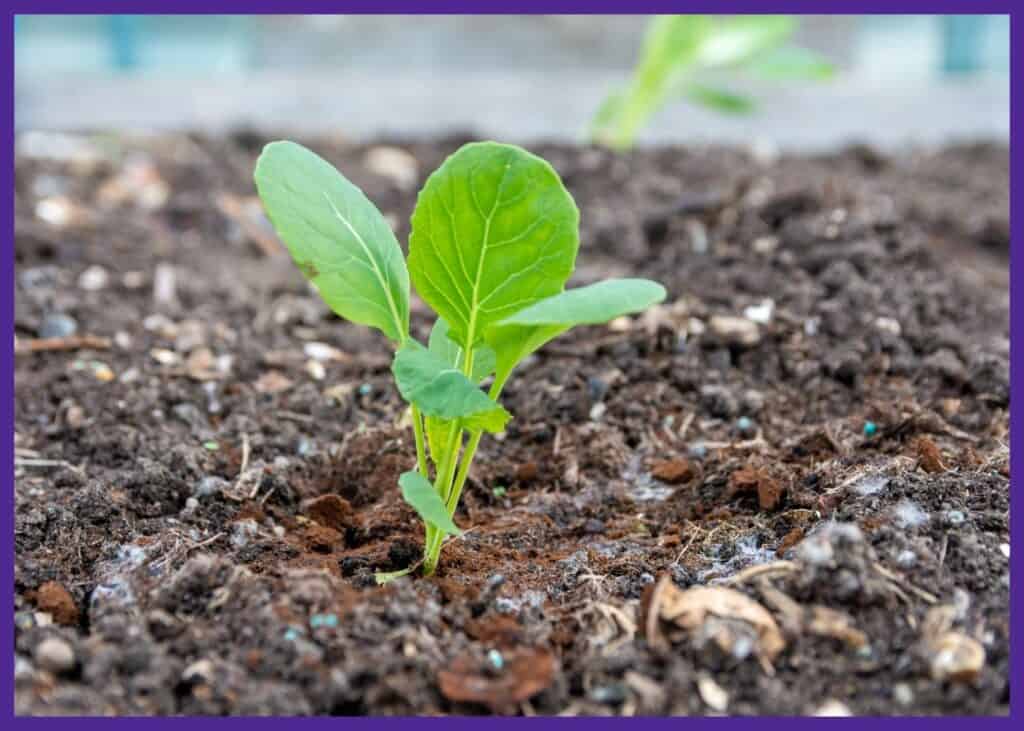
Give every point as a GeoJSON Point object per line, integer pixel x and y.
{"type": "Point", "coordinates": [13, 7]}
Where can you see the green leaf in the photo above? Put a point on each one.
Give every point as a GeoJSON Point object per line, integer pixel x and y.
{"type": "Point", "coordinates": [441, 344]}
{"type": "Point", "coordinates": [738, 38]}
{"type": "Point", "coordinates": [520, 334]}
{"type": "Point", "coordinates": [439, 390]}
{"type": "Point", "coordinates": [792, 62]}
{"type": "Point", "coordinates": [444, 347]}
{"type": "Point", "coordinates": [383, 577]}
{"type": "Point", "coordinates": [494, 230]}
{"type": "Point", "coordinates": [338, 238]}
{"type": "Point", "coordinates": [437, 438]}
{"type": "Point", "coordinates": [720, 99]}
{"type": "Point", "coordinates": [423, 498]}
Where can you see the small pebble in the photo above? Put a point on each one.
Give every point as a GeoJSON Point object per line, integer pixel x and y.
{"type": "Point", "coordinates": [697, 450]}
{"type": "Point", "coordinates": [870, 428]}
{"type": "Point", "coordinates": [906, 559]}
{"type": "Point", "coordinates": [57, 325]}
{"type": "Point", "coordinates": [902, 694]}
{"type": "Point", "coordinates": [955, 517]}
{"type": "Point", "coordinates": [55, 655]}
{"type": "Point", "coordinates": [323, 620]}
{"type": "Point", "coordinates": [613, 694]}
{"type": "Point", "coordinates": [745, 425]}
{"type": "Point", "coordinates": [495, 658]}
{"type": "Point", "coordinates": [365, 389]}
{"type": "Point", "coordinates": [209, 486]}
{"type": "Point", "coordinates": [596, 388]}
{"type": "Point", "coordinates": [93, 279]}
{"type": "Point", "coordinates": [1004, 548]}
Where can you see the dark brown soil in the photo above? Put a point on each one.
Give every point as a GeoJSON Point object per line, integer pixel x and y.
{"type": "Point", "coordinates": [206, 468]}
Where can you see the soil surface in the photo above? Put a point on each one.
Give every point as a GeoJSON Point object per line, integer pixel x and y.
{"type": "Point", "coordinates": [785, 491]}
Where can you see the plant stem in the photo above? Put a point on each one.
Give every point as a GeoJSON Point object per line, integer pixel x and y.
{"type": "Point", "coordinates": [421, 451]}
{"type": "Point", "coordinates": [460, 478]}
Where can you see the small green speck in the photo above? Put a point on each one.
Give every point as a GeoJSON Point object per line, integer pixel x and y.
{"type": "Point", "coordinates": [499, 491]}
{"type": "Point", "coordinates": [212, 446]}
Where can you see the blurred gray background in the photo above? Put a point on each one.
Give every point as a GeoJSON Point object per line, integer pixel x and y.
{"type": "Point", "coordinates": [903, 79]}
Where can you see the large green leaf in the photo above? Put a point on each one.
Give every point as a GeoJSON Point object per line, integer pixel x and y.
{"type": "Point", "coordinates": [338, 238]}
{"type": "Point", "coordinates": [423, 498]}
{"type": "Point", "coordinates": [739, 38]}
{"type": "Point", "coordinates": [494, 230]}
{"type": "Point", "coordinates": [520, 334]}
{"type": "Point", "coordinates": [429, 382]}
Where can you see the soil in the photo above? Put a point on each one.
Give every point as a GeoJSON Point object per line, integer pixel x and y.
{"type": "Point", "coordinates": [814, 426]}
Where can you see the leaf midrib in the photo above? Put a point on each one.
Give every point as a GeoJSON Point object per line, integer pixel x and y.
{"type": "Point", "coordinates": [384, 282]}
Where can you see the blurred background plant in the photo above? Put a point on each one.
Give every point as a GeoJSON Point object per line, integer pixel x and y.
{"type": "Point", "coordinates": [898, 78]}
{"type": "Point", "coordinates": [685, 56]}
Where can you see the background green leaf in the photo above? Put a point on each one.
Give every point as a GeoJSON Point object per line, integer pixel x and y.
{"type": "Point", "coordinates": [494, 230]}
{"type": "Point", "coordinates": [720, 100]}
{"type": "Point", "coordinates": [338, 238]}
{"type": "Point", "coordinates": [520, 334]}
{"type": "Point", "coordinates": [429, 382]}
{"type": "Point", "coordinates": [423, 498]}
{"type": "Point", "coordinates": [792, 62]}
{"type": "Point", "coordinates": [670, 49]}
{"type": "Point", "coordinates": [738, 38]}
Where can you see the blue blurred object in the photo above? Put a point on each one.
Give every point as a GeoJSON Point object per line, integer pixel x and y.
{"type": "Point", "coordinates": [963, 39]}
{"type": "Point", "coordinates": [124, 34]}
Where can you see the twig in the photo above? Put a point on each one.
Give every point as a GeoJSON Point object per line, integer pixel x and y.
{"type": "Point", "coordinates": [72, 342]}
{"type": "Point", "coordinates": [752, 572]}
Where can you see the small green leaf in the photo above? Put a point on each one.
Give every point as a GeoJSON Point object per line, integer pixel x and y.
{"type": "Point", "coordinates": [792, 62]}
{"type": "Point", "coordinates": [423, 498]}
{"type": "Point", "coordinates": [494, 230]}
{"type": "Point", "coordinates": [738, 38]}
{"type": "Point", "coordinates": [383, 577]}
{"type": "Point", "coordinates": [720, 99]}
{"type": "Point", "coordinates": [441, 344]}
{"type": "Point", "coordinates": [336, 236]}
{"type": "Point", "coordinates": [520, 334]}
{"type": "Point", "coordinates": [437, 438]}
{"type": "Point", "coordinates": [439, 390]}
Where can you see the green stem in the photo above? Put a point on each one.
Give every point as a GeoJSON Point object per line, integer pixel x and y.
{"type": "Point", "coordinates": [453, 444]}
{"type": "Point", "coordinates": [421, 450]}
{"type": "Point", "coordinates": [467, 456]}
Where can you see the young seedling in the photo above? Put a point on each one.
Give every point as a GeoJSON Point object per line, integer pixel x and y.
{"type": "Point", "coordinates": [494, 240]}
{"type": "Point", "coordinates": [681, 53]}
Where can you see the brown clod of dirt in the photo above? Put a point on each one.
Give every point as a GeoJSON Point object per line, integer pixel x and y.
{"type": "Point", "coordinates": [527, 472]}
{"type": "Point", "coordinates": [321, 539]}
{"type": "Point", "coordinates": [331, 511]}
{"type": "Point", "coordinates": [789, 540]}
{"type": "Point", "coordinates": [749, 479]}
{"type": "Point", "coordinates": [524, 672]}
{"type": "Point", "coordinates": [54, 599]}
{"type": "Point", "coordinates": [928, 456]}
{"type": "Point", "coordinates": [673, 471]}
{"type": "Point", "coordinates": [499, 630]}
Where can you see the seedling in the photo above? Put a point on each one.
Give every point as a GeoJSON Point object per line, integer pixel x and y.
{"type": "Point", "coordinates": [681, 57]}
{"type": "Point", "coordinates": [494, 240]}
